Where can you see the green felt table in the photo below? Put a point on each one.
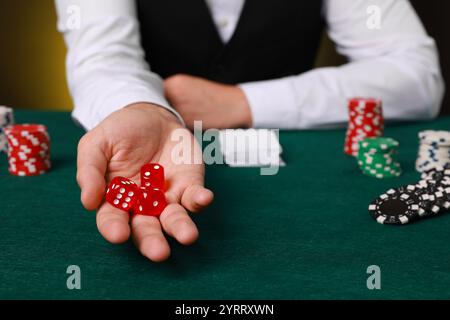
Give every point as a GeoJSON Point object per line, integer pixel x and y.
{"type": "Point", "coordinates": [302, 234]}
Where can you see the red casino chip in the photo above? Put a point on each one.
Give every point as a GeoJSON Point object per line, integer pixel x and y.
{"type": "Point", "coordinates": [26, 127]}
{"type": "Point", "coordinates": [28, 149]}
{"type": "Point", "coordinates": [365, 121]}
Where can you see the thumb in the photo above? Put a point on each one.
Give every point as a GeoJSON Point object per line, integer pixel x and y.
{"type": "Point", "coordinates": [91, 168]}
{"type": "Point", "coordinates": [196, 198]}
{"type": "Point", "coordinates": [188, 189]}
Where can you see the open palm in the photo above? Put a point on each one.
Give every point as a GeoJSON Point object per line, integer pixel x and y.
{"type": "Point", "coordinates": [119, 146]}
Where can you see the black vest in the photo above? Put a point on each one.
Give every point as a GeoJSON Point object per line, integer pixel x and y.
{"type": "Point", "coordinates": [273, 39]}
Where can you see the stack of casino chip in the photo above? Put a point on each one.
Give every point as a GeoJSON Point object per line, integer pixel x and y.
{"type": "Point", "coordinates": [377, 157]}
{"type": "Point", "coordinates": [28, 149]}
{"type": "Point", "coordinates": [436, 182]}
{"type": "Point", "coordinates": [6, 119]}
{"type": "Point", "coordinates": [365, 121]}
{"type": "Point", "coordinates": [434, 150]}
{"type": "Point", "coordinates": [428, 197]}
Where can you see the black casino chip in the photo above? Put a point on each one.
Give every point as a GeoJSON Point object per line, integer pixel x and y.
{"type": "Point", "coordinates": [446, 192]}
{"type": "Point", "coordinates": [442, 200]}
{"type": "Point", "coordinates": [396, 206]}
{"type": "Point", "coordinates": [428, 197]}
{"type": "Point", "coordinates": [437, 174]}
{"type": "Point", "coordinates": [426, 190]}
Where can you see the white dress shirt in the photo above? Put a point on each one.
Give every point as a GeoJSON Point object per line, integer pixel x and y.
{"type": "Point", "coordinates": [397, 62]}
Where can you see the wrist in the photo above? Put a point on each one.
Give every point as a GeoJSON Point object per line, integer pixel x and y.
{"type": "Point", "coordinates": [157, 110]}
{"type": "Point", "coordinates": [243, 114]}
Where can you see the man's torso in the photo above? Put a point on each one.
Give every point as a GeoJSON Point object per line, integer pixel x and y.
{"type": "Point", "coordinates": [272, 39]}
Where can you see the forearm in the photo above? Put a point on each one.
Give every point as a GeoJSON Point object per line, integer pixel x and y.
{"type": "Point", "coordinates": [319, 98]}
{"type": "Point", "coordinates": [106, 69]}
{"type": "Point", "coordinates": [397, 63]}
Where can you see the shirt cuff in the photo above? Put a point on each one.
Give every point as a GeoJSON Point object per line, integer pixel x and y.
{"type": "Point", "coordinates": [272, 103]}
{"type": "Point", "coordinates": [89, 120]}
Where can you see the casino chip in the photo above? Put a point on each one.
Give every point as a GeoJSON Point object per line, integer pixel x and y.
{"type": "Point", "coordinates": [438, 191]}
{"type": "Point", "coordinates": [446, 192]}
{"type": "Point", "coordinates": [365, 120]}
{"type": "Point", "coordinates": [429, 202]}
{"type": "Point", "coordinates": [6, 119]}
{"type": "Point", "coordinates": [396, 207]}
{"type": "Point", "coordinates": [377, 157]}
{"type": "Point", "coordinates": [440, 174]}
{"type": "Point", "coordinates": [430, 196]}
{"type": "Point", "coordinates": [28, 149]}
{"type": "Point", "coordinates": [434, 150]}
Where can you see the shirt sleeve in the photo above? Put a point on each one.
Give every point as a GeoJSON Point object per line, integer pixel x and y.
{"type": "Point", "coordinates": [106, 67]}
{"type": "Point", "coordinates": [394, 60]}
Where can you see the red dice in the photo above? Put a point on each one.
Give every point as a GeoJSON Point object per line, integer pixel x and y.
{"type": "Point", "coordinates": [152, 176]}
{"type": "Point", "coordinates": [151, 202]}
{"type": "Point", "coordinates": [122, 193]}
{"type": "Point", "coordinates": [148, 200]}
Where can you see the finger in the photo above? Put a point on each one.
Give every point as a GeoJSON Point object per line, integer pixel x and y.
{"type": "Point", "coordinates": [196, 198]}
{"type": "Point", "coordinates": [149, 239]}
{"type": "Point", "coordinates": [187, 188]}
{"type": "Point", "coordinates": [177, 223]}
{"type": "Point", "coordinates": [113, 224]}
{"type": "Point", "coordinates": [91, 168]}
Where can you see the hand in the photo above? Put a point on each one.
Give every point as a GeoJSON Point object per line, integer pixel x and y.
{"type": "Point", "coordinates": [119, 146]}
{"type": "Point", "coordinates": [218, 105]}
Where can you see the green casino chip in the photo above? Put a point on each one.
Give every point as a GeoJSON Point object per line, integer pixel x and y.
{"type": "Point", "coordinates": [377, 157]}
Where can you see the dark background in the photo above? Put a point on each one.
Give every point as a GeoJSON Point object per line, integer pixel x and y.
{"type": "Point", "coordinates": [435, 16]}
